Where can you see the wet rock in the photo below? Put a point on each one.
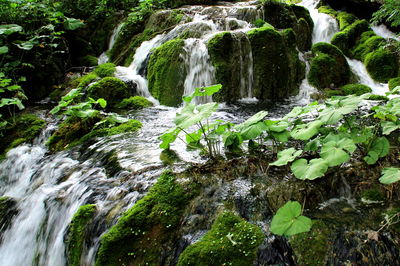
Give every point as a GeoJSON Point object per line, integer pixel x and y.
{"type": "Point", "coordinates": [7, 211]}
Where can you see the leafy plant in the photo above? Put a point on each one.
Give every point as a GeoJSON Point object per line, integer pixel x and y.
{"type": "Point", "coordinates": [390, 175]}
{"type": "Point", "coordinates": [288, 220]}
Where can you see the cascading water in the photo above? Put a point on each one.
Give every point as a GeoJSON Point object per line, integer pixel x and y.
{"type": "Point", "coordinates": [103, 58]}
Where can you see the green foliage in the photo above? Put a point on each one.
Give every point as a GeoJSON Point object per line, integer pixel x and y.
{"type": "Point", "coordinates": [77, 233]}
{"type": "Point", "coordinates": [393, 83]}
{"type": "Point", "coordinates": [390, 175]}
{"type": "Point", "coordinates": [105, 70]}
{"type": "Point", "coordinates": [109, 88]}
{"type": "Point", "coordinates": [286, 156]}
{"type": "Point", "coordinates": [388, 12]}
{"type": "Point", "coordinates": [382, 65]}
{"type": "Point", "coordinates": [230, 241]}
{"type": "Point", "coordinates": [288, 220]}
{"type": "Point", "coordinates": [309, 170]}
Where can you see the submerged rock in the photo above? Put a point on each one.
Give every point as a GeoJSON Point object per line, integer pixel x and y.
{"type": "Point", "coordinates": [7, 211]}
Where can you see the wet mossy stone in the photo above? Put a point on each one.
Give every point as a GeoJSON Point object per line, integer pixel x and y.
{"type": "Point", "coordinates": [230, 241]}
{"type": "Point", "coordinates": [77, 233]}
{"type": "Point", "coordinates": [146, 229]}
{"type": "Point", "coordinates": [345, 40]}
{"type": "Point", "coordinates": [393, 83]}
{"type": "Point", "coordinates": [226, 52]}
{"type": "Point", "coordinates": [327, 10]}
{"type": "Point", "coordinates": [88, 60]}
{"type": "Point", "coordinates": [329, 67]}
{"type": "Point", "coordinates": [311, 248]}
{"type": "Point", "coordinates": [356, 89]}
{"type": "Point", "coordinates": [113, 90]}
{"type": "Point", "coordinates": [373, 195]}
{"type": "Point", "coordinates": [277, 72]}
{"type": "Point", "coordinates": [345, 19]}
{"type": "Point", "coordinates": [25, 128]}
{"type": "Point", "coordinates": [370, 45]}
{"type": "Point", "coordinates": [105, 70]}
{"type": "Point", "coordinates": [382, 65]}
{"type": "Point", "coordinates": [7, 211]}
{"type": "Point", "coordinates": [166, 73]}
{"type": "Point", "coordinates": [134, 103]}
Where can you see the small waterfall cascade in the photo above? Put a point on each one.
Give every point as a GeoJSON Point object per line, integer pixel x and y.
{"type": "Point", "coordinates": [358, 68]}
{"type": "Point", "coordinates": [103, 58]}
{"type": "Point", "coordinates": [325, 26]}
{"type": "Point", "coordinates": [306, 90]}
{"type": "Point", "coordinates": [383, 31]}
{"type": "Point", "coordinates": [200, 71]}
{"type": "Point", "coordinates": [245, 60]}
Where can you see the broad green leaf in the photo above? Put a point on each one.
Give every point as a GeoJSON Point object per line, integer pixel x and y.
{"type": "Point", "coordinates": [191, 114]}
{"type": "Point", "coordinates": [297, 111]}
{"type": "Point", "coordinates": [286, 156]}
{"type": "Point", "coordinates": [379, 148]}
{"type": "Point", "coordinates": [102, 102]}
{"type": "Point", "coordinates": [207, 91]}
{"type": "Point", "coordinates": [3, 49]}
{"type": "Point", "coordinates": [306, 131]}
{"type": "Point", "coordinates": [114, 118]}
{"type": "Point", "coordinates": [277, 126]}
{"type": "Point", "coordinates": [28, 45]}
{"type": "Point", "coordinates": [288, 220]}
{"type": "Point", "coordinates": [168, 137]}
{"type": "Point", "coordinates": [312, 170]}
{"type": "Point", "coordinates": [253, 131]}
{"type": "Point", "coordinates": [362, 136]}
{"type": "Point", "coordinates": [333, 154]}
{"type": "Point", "coordinates": [193, 137]}
{"type": "Point", "coordinates": [388, 127]}
{"type": "Point", "coordinates": [313, 145]}
{"type": "Point", "coordinates": [390, 175]}
{"type": "Point", "coordinates": [72, 24]}
{"type": "Point", "coordinates": [252, 120]}
{"type": "Point", "coordinates": [281, 136]}
{"type": "Point", "coordinates": [9, 29]}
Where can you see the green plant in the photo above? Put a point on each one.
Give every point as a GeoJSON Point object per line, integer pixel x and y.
{"type": "Point", "coordinates": [288, 220]}
{"type": "Point", "coordinates": [388, 12]}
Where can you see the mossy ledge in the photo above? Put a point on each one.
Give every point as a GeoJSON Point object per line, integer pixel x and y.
{"type": "Point", "coordinates": [147, 228]}
{"type": "Point", "coordinates": [77, 233]}
{"type": "Point", "coordinates": [230, 241]}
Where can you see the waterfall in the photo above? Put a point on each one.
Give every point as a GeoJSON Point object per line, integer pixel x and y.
{"type": "Point", "coordinates": [200, 70]}
{"type": "Point", "coordinates": [384, 32]}
{"type": "Point", "coordinates": [306, 90]}
{"type": "Point", "coordinates": [103, 58]}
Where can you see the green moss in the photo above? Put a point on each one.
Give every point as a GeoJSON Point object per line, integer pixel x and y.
{"type": "Point", "coordinates": [105, 70]}
{"type": "Point", "coordinates": [24, 129]}
{"type": "Point", "coordinates": [393, 83]}
{"type": "Point", "coordinates": [357, 89]}
{"type": "Point", "coordinates": [277, 68]}
{"type": "Point", "coordinates": [373, 194]}
{"type": "Point", "coordinates": [259, 23]}
{"type": "Point", "coordinates": [73, 132]}
{"type": "Point", "coordinates": [382, 65]}
{"type": "Point", "coordinates": [365, 47]}
{"type": "Point", "coordinates": [111, 89]}
{"type": "Point", "coordinates": [139, 235]}
{"type": "Point", "coordinates": [134, 103]}
{"type": "Point", "coordinates": [78, 232]}
{"type": "Point", "coordinates": [327, 10]}
{"type": "Point", "coordinates": [230, 241]}
{"type": "Point", "coordinates": [88, 60]}
{"type": "Point", "coordinates": [166, 73]}
{"type": "Point", "coordinates": [345, 40]}
{"type": "Point", "coordinates": [375, 97]}
{"type": "Point", "coordinates": [328, 67]}
{"type": "Point", "coordinates": [83, 81]}
{"type": "Point", "coordinates": [311, 248]}
{"type": "Point", "coordinates": [345, 19]}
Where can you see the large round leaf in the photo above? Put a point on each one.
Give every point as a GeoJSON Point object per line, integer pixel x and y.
{"type": "Point", "coordinates": [286, 156]}
{"type": "Point", "coordinates": [306, 131]}
{"type": "Point", "coordinates": [390, 175]}
{"type": "Point", "coordinates": [288, 221]}
{"type": "Point", "coordinates": [304, 170]}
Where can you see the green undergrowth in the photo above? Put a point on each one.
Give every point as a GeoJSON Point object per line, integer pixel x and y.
{"type": "Point", "coordinates": [77, 233]}
{"type": "Point", "coordinates": [76, 131]}
{"type": "Point", "coordinates": [230, 241]}
{"type": "Point", "coordinates": [146, 229]}
{"type": "Point", "coordinates": [356, 89]}
{"type": "Point", "coordinates": [393, 83]}
{"type": "Point", "coordinates": [22, 128]}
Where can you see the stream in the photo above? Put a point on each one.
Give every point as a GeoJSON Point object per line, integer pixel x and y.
{"type": "Point", "coordinates": [50, 187]}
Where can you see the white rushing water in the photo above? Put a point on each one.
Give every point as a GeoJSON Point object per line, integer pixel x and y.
{"type": "Point", "coordinates": [103, 58]}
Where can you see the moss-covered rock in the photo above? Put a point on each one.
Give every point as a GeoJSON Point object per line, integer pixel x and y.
{"type": "Point", "coordinates": [74, 131]}
{"type": "Point", "coordinates": [329, 67]}
{"type": "Point", "coordinates": [146, 229]}
{"type": "Point", "coordinates": [88, 60]}
{"type": "Point", "coordinates": [311, 248]}
{"type": "Point", "coordinates": [230, 241]}
{"type": "Point", "coordinates": [77, 233]}
{"type": "Point", "coordinates": [134, 103]}
{"type": "Point", "coordinates": [276, 66]}
{"type": "Point", "coordinates": [105, 70]}
{"type": "Point", "coordinates": [226, 52]}
{"type": "Point", "coordinates": [345, 40]}
{"type": "Point", "coordinates": [367, 46]}
{"type": "Point", "coordinates": [382, 65]}
{"type": "Point", "coordinates": [345, 19]}
{"type": "Point", "coordinates": [357, 89]}
{"type": "Point", "coordinates": [372, 195]}
{"type": "Point", "coordinates": [166, 73]}
{"type": "Point", "coordinates": [7, 211]}
{"type": "Point", "coordinates": [22, 128]}
{"type": "Point", "coordinates": [113, 90]}
{"type": "Point", "coordinates": [393, 83]}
